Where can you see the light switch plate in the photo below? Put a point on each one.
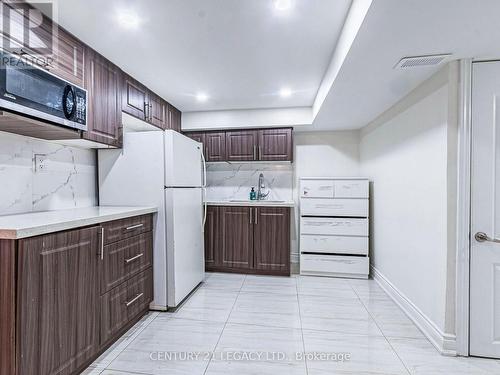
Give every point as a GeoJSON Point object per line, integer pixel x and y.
{"type": "Point", "coordinates": [40, 162]}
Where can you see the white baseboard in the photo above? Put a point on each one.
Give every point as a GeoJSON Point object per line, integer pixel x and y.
{"type": "Point", "coordinates": [445, 343]}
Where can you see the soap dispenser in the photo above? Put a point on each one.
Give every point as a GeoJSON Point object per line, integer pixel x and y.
{"type": "Point", "coordinates": [253, 194]}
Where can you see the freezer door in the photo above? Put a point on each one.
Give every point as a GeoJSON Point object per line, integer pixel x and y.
{"type": "Point", "coordinates": [183, 164]}
{"type": "Point", "coordinates": [185, 245]}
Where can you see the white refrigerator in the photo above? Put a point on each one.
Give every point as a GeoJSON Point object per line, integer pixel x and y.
{"type": "Point", "coordinates": [164, 169]}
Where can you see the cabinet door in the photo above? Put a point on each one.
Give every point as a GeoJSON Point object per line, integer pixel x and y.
{"type": "Point", "coordinates": [241, 145]}
{"type": "Point", "coordinates": [102, 80]}
{"type": "Point", "coordinates": [135, 98]}
{"type": "Point", "coordinates": [215, 146]}
{"type": "Point", "coordinates": [275, 145]}
{"type": "Point", "coordinates": [211, 238]}
{"type": "Point", "coordinates": [159, 111]}
{"type": "Point", "coordinates": [197, 136]}
{"type": "Point", "coordinates": [237, 237]}
{"type": "Point", "coordinates": [69, 58]}
{"type": "Point", "coordinates": [174, 118]}
{"type": "Point", "coordinates": [58, 295]}
{"type": "Point", "coordinates": [272, 240]}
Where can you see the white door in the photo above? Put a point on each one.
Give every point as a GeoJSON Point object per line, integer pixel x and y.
{"type": "Point", "coordinates": [485, 211]}
{"type": "Point", "coordinates": [183, 164]}
{"type": "Point", "coordinates": [185, 243]}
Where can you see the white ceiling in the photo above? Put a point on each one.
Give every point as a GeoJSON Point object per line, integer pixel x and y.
{"type": "Point", "coordinates": [238, 52]}
{"type": "Point", "coordinates": [367, 84]}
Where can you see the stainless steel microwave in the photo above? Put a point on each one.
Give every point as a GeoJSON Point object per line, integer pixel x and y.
{"type": "Point", "coordinates": [32, 91]}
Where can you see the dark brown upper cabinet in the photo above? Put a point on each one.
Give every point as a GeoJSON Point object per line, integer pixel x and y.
{"type": "Point", "coordinates": [103, 81]}
{"type": "Point", "coordinates": [159, 111]}
{"type": "Point", "coordinates": [236, 242]}
{"type": "Point", "coordinates": [135, 98]}
{"type": "Point", "coordinates": [214, 144]}
{"type": "Point", "coordinates": [58, 302]}
{"type": "Point", "coordinates": [174, 118]}
{"type": "Point", "coordinates": [241, 145]}
{"type": "Point", "coordinates": [275, 145]}
{"type": "Point", "coordinates": [69, 58]}
{"type": "Point", "coordinates": [64, 55]}
{"type": "Point", "coordinates": [246, 145]}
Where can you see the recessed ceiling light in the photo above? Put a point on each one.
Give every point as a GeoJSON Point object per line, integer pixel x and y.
{"type": "Point", "coordinates": [285, 92]}
{"type": "Point", "coordinates": [282, 4]}
{"type": "Point", "coordinates": [201, 97]}
{"type": "Point", "coordinates": [128, 19]}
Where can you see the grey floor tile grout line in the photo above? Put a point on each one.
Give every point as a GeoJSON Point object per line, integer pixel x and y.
{"type": "Point", "coordinates": [135, 336]}
{"type": "Point", "coordinates": [225, 324]}
{"type": "Point", "coordinates": [383, 334]}
{"type": "Point", "coordinates": [301, 328]}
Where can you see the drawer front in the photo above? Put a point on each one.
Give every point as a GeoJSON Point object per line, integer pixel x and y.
{"type": "Point", "coordinates": [334, 244]}
{"type": "Point", "coordinates": [123, 259]}
{"type": "Point", "coordinates": [334, 207]}
{"type": "Point", "coordinates": [316, 188]}
{"type": "Point", "coordinates": [129, 227]}
{"type": "Point", "coordinates": [334, 265]}
{"type": "Point", "coordinates": [140, 293]}
{"type": "Point", "coordinates": [124, 303]}
{"type": "Point", "coordinates": [351, 189]}
{"type": "Point", "coordinates": [334, 226]}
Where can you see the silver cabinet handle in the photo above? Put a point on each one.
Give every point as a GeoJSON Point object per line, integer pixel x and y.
{"type": "Point", "coordinates": [102, 243]}
{"type": "Point", "coordinates": [255, 152]}
{"type": "Point", "coordinates": [483, 237]}
{"type": "Point", "coordinates": [134, 226]}
{"type": "Point", "coordinates": [251, 212]}
{"type": "Point", "coordinates": [134, 258]}
{"type": "Point", "coordinates": [260, 152]}
{"type": "Point", "coordinates": [256, 216]}
{"type": "Point", "coordinates": [134, 300]}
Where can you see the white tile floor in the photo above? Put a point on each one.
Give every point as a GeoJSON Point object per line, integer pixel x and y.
{"type": "Point", "coordinates": [276, 318]}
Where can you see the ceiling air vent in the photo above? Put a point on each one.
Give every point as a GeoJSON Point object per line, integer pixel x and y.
{"type": "Point", "coordinates": [419, 61]}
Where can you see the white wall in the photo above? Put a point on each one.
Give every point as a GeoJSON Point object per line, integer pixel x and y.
{"type": "Point", "coordinates": [319, 154]}
{"type": "Point", "coordinates": [406, 154]}
{"type": "Point", "coordinates": [245, 118]}
{"type": "Point", "coordinates": [68, 180]}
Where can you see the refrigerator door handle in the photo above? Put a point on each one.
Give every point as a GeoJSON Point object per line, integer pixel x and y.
{"type": "Point", "coordinates": [204, 209]}
{"type": "Point", "coordinates": [204, 168]}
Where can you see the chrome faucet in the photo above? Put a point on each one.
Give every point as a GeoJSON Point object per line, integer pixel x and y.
{"type": "Point", "coordinates": [260, 194]}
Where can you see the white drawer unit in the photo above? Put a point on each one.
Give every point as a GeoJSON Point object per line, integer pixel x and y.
{"type": "Point", "coordinates": [334, 207]}
{"type": "Point", "coordinates": [334, 265]}
{"type": "Point", "coordinates": [314, 243]}
{"type": "Point", "coordinates": [334, 227]}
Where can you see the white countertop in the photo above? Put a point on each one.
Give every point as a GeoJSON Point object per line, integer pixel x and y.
{"type": "Point", "coordinates": [13, 227]}
{"type": "Point", "coordinates": [252, 203]}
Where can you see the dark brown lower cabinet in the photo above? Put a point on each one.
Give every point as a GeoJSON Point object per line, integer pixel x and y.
{"type": "Point", "coordinates": [244, 239]}
{"type": "Point", "coordinates": [67, 296]}
{"type": "Point", "coordinates": [58, 302]}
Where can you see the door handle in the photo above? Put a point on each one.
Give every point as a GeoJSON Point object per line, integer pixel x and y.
{"type": "Point", "coordinates": [102, 243]}
{"type": "Point", "coordinates": [483, 237]}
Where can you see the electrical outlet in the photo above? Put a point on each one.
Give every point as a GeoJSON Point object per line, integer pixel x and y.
{"type": "Point", "coordinates": [40, 162]}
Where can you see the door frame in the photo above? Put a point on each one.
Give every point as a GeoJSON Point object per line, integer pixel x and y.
{"type": "Point", "coordinates": [463, 222]}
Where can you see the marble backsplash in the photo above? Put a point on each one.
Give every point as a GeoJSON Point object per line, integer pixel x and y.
{"type": "Point", "coordinates": [68, 179]}
{"type": "Point", "coordinates": [226, 181]}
